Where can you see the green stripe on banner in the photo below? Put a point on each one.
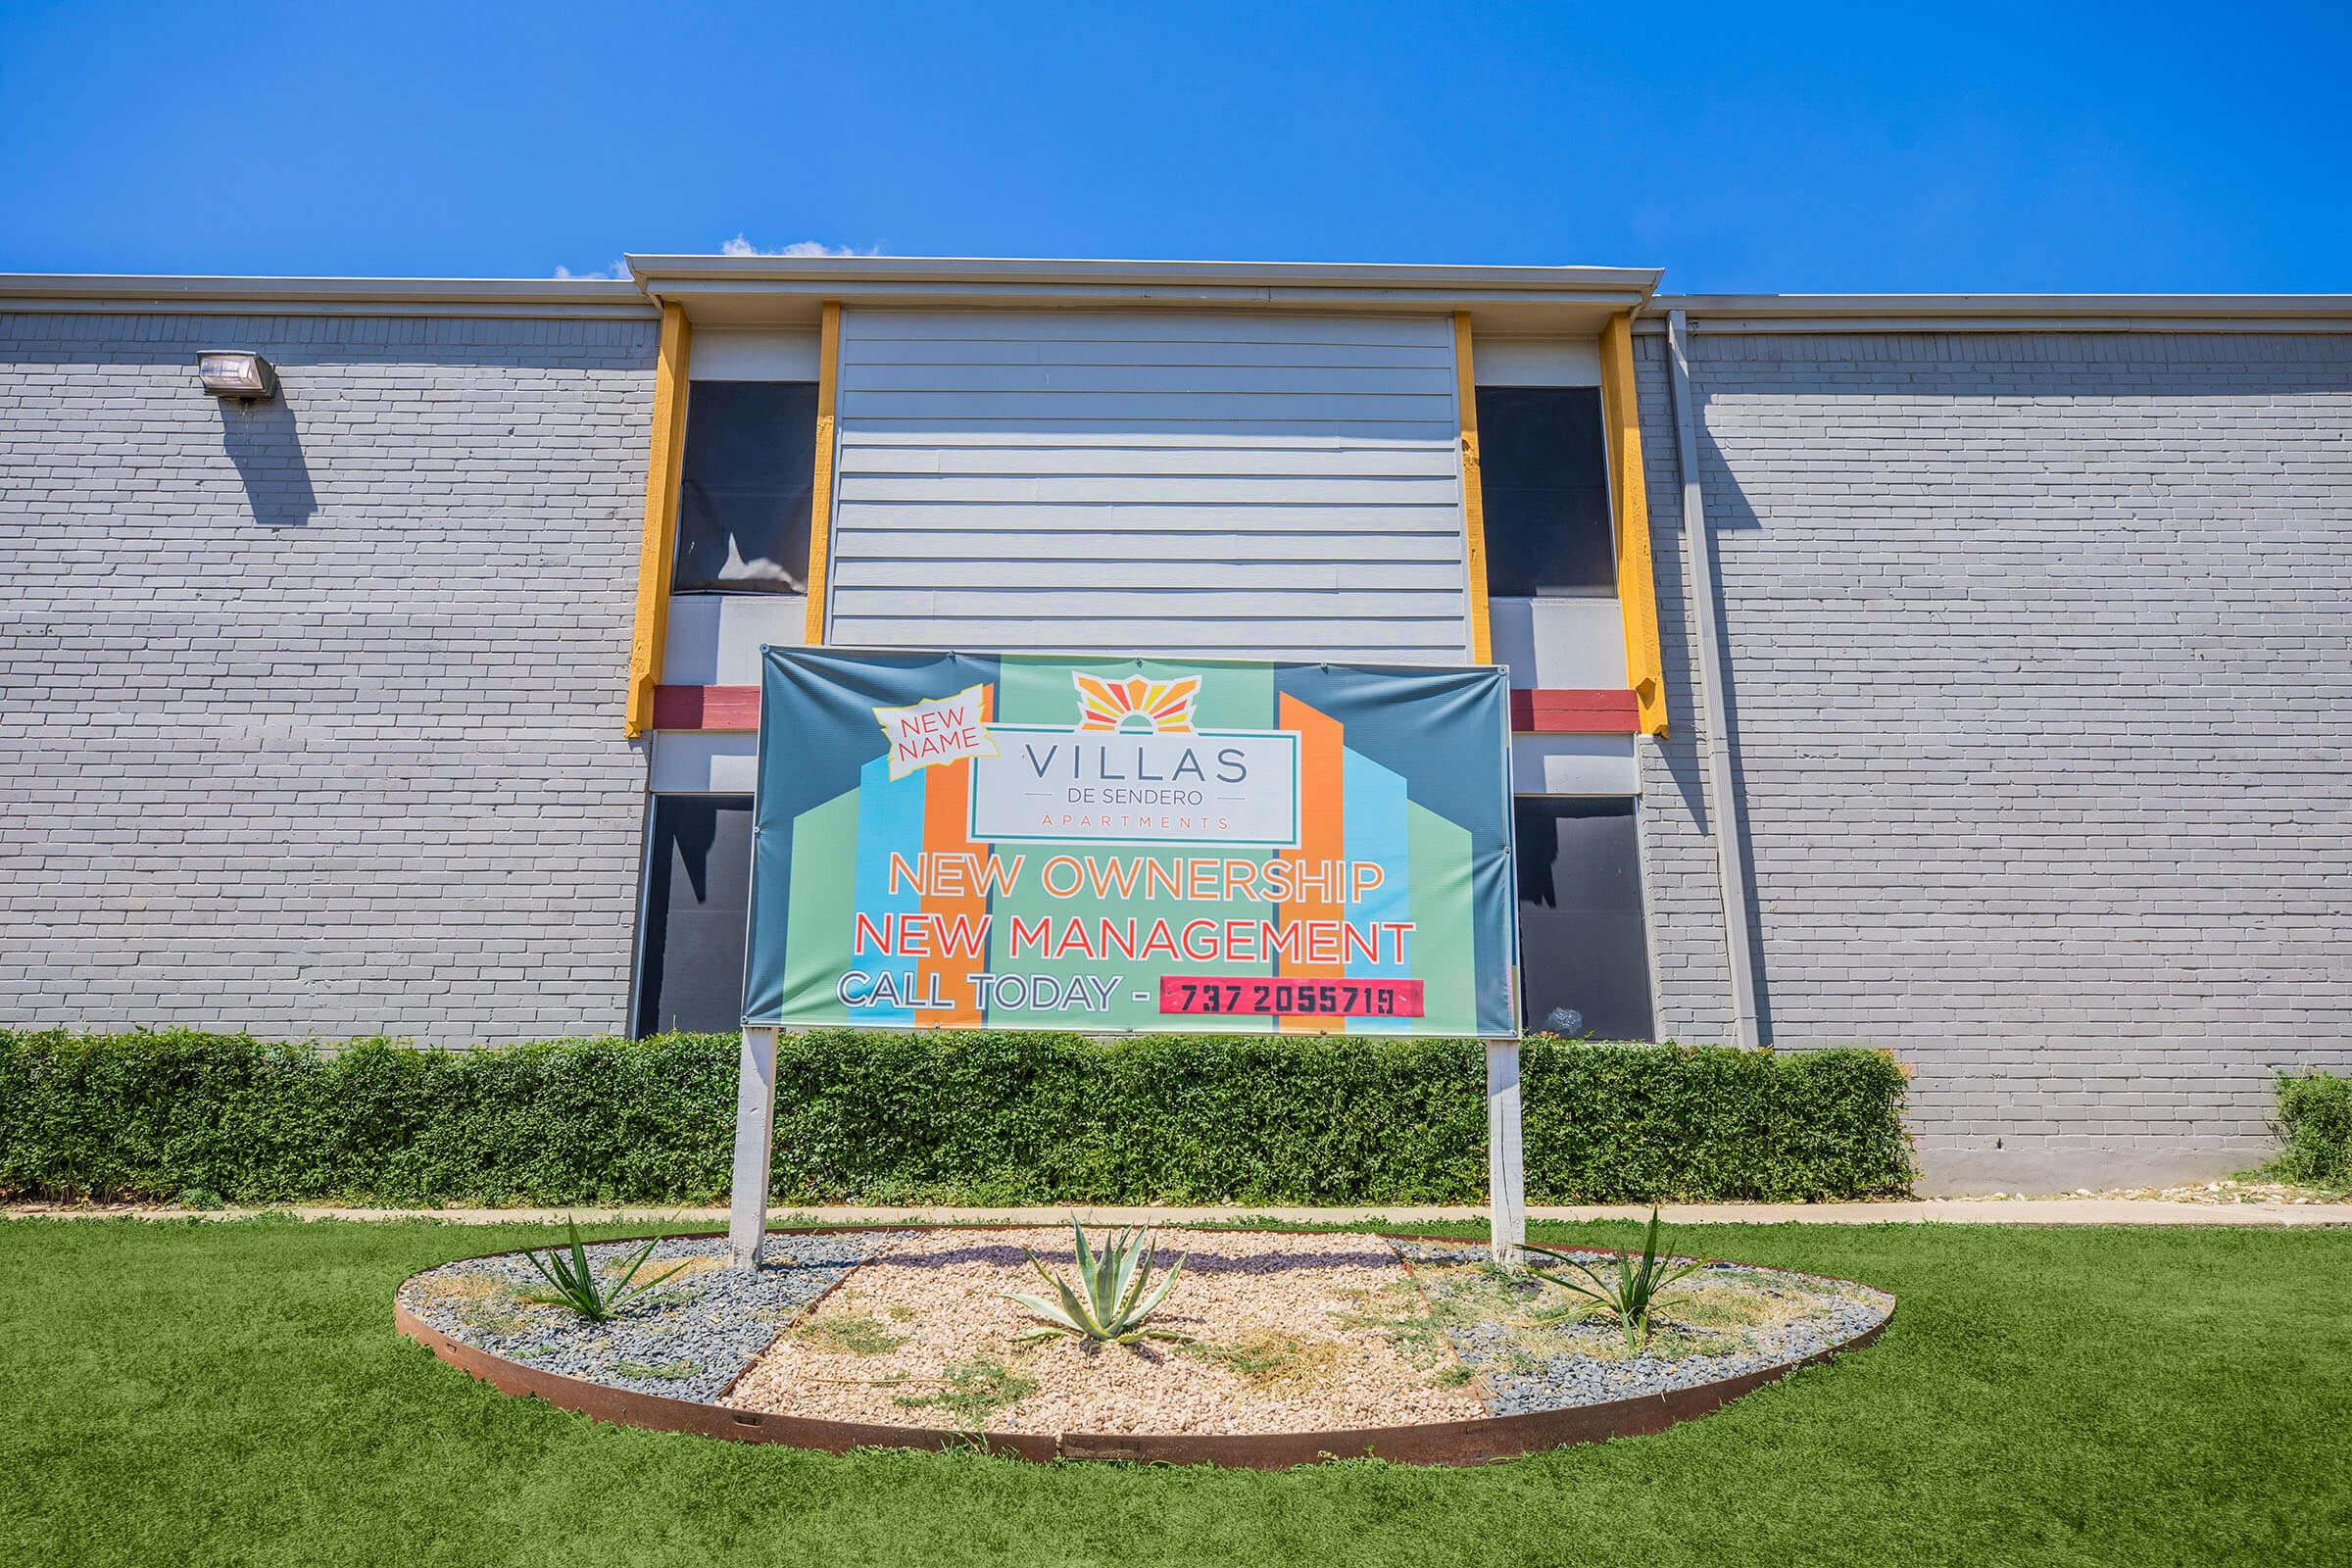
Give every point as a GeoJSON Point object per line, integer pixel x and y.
{"type": "Point", "coordinates": [824, 898]}
{"type": "Point", "coordinates": [1443, 954]}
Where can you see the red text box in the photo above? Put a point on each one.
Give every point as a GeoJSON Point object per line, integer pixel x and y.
{"type": "Point", "coordinates": [1256, 994]}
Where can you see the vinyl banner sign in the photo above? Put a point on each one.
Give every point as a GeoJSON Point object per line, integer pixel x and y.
{"type": "Point", "coordinates": [947, 841]}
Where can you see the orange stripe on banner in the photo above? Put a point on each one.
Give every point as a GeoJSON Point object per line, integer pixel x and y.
{"type": "Point", "coordinates": [947, 814]}
{"type": "Point", "coordinates": [1322, 840]}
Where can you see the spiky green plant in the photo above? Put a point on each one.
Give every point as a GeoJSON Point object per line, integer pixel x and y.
{"type": "Point", "coordinates": [1115, 1297]}
{"type": "Point", "coordinates": [1633, 1294]}
{"type": "Point", "coordinates": [577, 1286]}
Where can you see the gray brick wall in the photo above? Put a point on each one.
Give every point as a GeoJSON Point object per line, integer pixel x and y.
{"type": "Point", "coordinates": [2040, 663]}
{"type": "Point", "coordinates": [310, 716]}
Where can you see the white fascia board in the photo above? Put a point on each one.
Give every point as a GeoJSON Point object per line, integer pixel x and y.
{"type": "Point", "coordinates": [314, 296]}
{"type": "Point", "coordinates": [2001, 312]}
{"type": "Point", "coordinates": [1317, 275]}
{"type": "Point", "coordinates": [744, 288]}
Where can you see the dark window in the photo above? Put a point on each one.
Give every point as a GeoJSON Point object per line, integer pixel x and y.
{"type": "Point", "coordinates": [751, 466]}
{"type": "Point", "coordinates": [1584, 965]}
{"type": "Point", "coordinates": [1542, 472]}
{"type": "Point", "coordinates": [697, 890]}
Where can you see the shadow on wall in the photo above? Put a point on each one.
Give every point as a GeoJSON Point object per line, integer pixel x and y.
{"type": "Point", "coordinates": [1727, 510]}
{"type": "Point", "coordinates": [264, 443]}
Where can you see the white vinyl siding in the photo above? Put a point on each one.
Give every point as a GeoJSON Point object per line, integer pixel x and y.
{"type": "Point", "coordinates": [704, 762]}
{"type": "Point", "coordinates": [1159, 482]}
{"type": "Point", "coordinates": [1528, 360]}
{"type": "Point", "coordinates": [732, 353]}
{"type": "Point", "coordinates": [1558, 765]}
{"type": "Point", "coordinates": [714, 639]}
{"type": "Point", "coordinates": [1574, 643]}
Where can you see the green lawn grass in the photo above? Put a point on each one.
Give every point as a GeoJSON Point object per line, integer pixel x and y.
{"type": "Point", "coordinates": [232, 1393]}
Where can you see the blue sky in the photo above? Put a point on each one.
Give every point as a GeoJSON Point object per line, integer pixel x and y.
{"type": "Point", "coordinates": [1772, 148]}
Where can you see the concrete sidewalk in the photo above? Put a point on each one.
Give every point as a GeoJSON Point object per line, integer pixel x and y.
{"type": "Point", "coordinates": [1913, 1211]}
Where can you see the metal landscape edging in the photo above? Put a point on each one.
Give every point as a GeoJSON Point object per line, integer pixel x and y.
{"type": "Point", "coordinates": [1479, 1439]}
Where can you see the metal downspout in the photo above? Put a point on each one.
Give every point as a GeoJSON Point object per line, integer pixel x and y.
{"type": "Point", "coordinates": [1723, 798]}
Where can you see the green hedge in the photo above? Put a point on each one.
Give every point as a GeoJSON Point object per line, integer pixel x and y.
{"type": "Point", "coordinates": [2314, 1121]}
{"type": "Point", "coordinates": [982, 1117]}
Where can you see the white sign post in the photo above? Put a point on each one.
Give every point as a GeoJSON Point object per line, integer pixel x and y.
{"type": "Point", "coordinates": [755, 1145]}
{"type": "Point", "coordinates": [1506, 1174]}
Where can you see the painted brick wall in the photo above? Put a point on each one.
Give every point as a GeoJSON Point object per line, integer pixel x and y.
{"type": "Point", "coordinates": [310, 716]}
{"type": "Point", "coordinates": [2042, 670]}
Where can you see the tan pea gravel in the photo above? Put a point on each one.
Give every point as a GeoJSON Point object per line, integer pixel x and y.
{"type": "Point", "coordinates": [1278, 1351]}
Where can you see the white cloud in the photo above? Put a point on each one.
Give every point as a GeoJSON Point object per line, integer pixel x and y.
{"type": "Point", "coordinates": [741, 245]}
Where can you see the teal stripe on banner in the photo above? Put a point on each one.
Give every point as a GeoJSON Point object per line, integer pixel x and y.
{"type": "Point", "coordinates": [889, 817]}
{"type": "Point", "coordinates": [1376, 832]}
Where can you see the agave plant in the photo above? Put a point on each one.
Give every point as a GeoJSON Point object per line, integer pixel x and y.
{"type": "Point", "coordinates": [1633, 1294]}
{"type": "Point", "coordinates": [577, 1286]}
{"type": "Point", "coordinates": [1115, 1297]}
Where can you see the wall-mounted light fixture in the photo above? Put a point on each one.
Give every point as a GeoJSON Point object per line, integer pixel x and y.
{"type": "Point", "coordinates": [235, 374]}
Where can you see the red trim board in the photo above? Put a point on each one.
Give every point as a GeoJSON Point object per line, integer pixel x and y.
{"type": "Point", "coordinates": [1533, 712]}
{"type": "Point", "coordinates": [1541, 712]}
{"type": "Point", "coordinates": [706, 708]}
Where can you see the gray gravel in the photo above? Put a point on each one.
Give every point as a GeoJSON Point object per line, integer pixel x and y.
{"type": "Point", "coordinates": [687, 1340]}
{"type": "Point", "coordinates": [692, 1337]}
{"type": "Point", "coordinates": [1519, 1383]}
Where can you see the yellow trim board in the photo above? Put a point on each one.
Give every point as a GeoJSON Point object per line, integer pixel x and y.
{"type": "Point", "coordinates": [820, 499]}
{"type": "Point", "coordinates": [1474, 503]}
{"type": "Point", "coordinates": [1637, 583]}
{"type": "Point", "coordinates": [658, 551]}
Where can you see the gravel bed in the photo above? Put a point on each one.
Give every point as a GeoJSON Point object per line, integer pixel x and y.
{"type": "Point", "coordinates": [687, 1339]}
{"type": "Point", "coordinates": [1585, 1364]}
{"type": "Point", "coordinates": [1292, 1332]}
{"type": "Point", "coordinates": [1289, 1332]}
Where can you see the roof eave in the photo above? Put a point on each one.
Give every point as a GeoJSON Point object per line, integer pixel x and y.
{"type": "Point", "coordinates": [1982, 313]}
{"type": "Point", "coordinates": [746, 289]}
{"type": "Point", "coordinates": [1376, 276]}
{"type": "Point", "coordinates": [369, 296]}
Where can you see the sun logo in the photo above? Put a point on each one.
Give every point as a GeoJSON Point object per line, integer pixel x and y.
{"type": "Point", "coordinates": [1166, 706]}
